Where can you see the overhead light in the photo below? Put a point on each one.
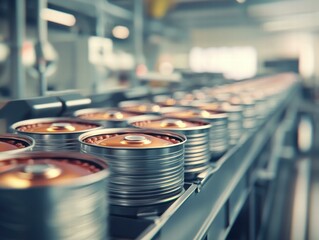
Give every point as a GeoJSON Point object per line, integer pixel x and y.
{"type": "Point", "coordinates": [121, 32]}
{"type": "Point", "coordinates": [241, 1]}
{"type": "Point", "coordinates": [58, 17]}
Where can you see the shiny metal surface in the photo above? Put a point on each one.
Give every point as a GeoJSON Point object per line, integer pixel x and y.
{"type": "Point", "coordinates": [140, 107]}
{"type": "Point", "coordinates": [108, 117]}
{"type": "Point", "coordinates": [70, 204]}
{"type": "Point", "coordinates": [218, 133]}
{"type": "Point", "coordinates": [197, 154]}
{"type": "Point", "coordinates": [52, 134]}
{"type": "Point", "coordinates": [142, 173]}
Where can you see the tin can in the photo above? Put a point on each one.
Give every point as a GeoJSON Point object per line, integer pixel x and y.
{"type": "Point", "coordinates": [54, 134]}
{"type": "Point", "coordinates": [142, 107]}
{"type": "Point", "coordinates": [197, 153]}
{"type": "Point", "coordinates": [249, 113]}
{"type": "Point", "coordinates": [13, 144]}
{"type": "Point", "coordinates": [218, 133]}
{"type": "Point", "coordinates": [55, 196]}
{"type": "Point", "coordinates": [146, 166]}
{"type": "Point", "coordinates": [235, 118]}
{"type": "Point", "coordinates": [108, 117]}
{"type": "Point", "coordinates": [164, 100]}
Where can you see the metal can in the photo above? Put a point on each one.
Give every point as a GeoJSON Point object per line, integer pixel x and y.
{"type": "Point", "coordinates": [218, 133]}
{"type": "Point", "coordinates": [142, 107]}
{"type": "Point", "coordinates": [235, 118]}
{"type": "Point", "coordinates": [54, 134]}
{"type": "Point", "coordinates": [164, 100]}
{"type": "Point", "coordinates": [12, 143]}
{"type": "Point", "coordinates": [108, 117]}
{"type": "Point", "coordinates": [197, 154]}
{"type": "Point", "coordinates": [146, 166]}
{"type": "Point", "coordinates": [261, 107]}
{"type": "Point", "coordinates": [56, 196]}
{"type": "Point", "coordinates": [249, 113]}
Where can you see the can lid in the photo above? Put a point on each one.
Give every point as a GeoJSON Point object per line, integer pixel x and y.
{"type": "Point", "coordinates": [168, 123]}
{"type": "Point", "coordinates": [33, 172]}
{"type": "Point", "coordinates": [56, 126]}
{"type": "Point", "coordinates": [193, 113]}
{"type": "Point", "coordinates": [132, 140]}
{"type": "Point", "coordinates": [142, 107]}
{"type": "Point", "coordinates": [5, 146]}
{"type": "Point", "coordinates": [10, 142]}
{"type": "Point", "coordinates": [105, 114]}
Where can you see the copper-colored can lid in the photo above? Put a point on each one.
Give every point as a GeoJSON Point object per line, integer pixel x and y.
{"type": "Point", "coordinates": [215, 106]}
{"type": "Point", "coordinates": [7, 145]}
{"type": "Point", "coordinates": [167, 102]}
{"type": "Point", "coordinates": [141, 107]}
{"type": "Point", "coordinates": [106, 114]}
{"type": "Point", "coordinates": [53, 126]}
{"type": "Point", "coordinates": [168, 123]}
{"type": "Point", "coordinates": [191, 113]}
{"type": "Point", "coordinates": [26, 172]}
{"type": "Point", "coordinates": [132, 140]}
{"type": "Point", "coordinates": [13, 142]}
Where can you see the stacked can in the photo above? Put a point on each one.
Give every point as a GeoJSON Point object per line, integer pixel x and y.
{"type": "Point", "coordinates": [108, 117]}
{"type": "Point", "coordinates": [164, 100]}
{"type": "Point", "coordinates": [12, 143]}
{"type": "Point", "coordinates": [249, 114]}
{"type": "Point", "coordinates": [261, 105]}
{"type": "Point", "coordinates": [218, 133]}
{"type": "Point", "coordinates": [54, 134]}
{"type": "Point", "coordinates": [146, 167]}
{"type": "Point", "coordinates": [53, 196]}
{"type": "Point", "coordinates": [197, 154]}
{"type": "Point", "coordinates": [142, 107]}
{"type": "Point", "coordinates": [235, 118]}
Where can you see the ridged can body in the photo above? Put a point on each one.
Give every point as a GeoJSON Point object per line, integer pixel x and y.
{"type": "Point", "coordinates": [57, 134]}
{"type": "Point", "coordinates": [53, 196]}
{"type": "Point", "coordinates": [218, 133]}
{"type": "Point", "coordinates": [249, 113]}
{"type": "Point", "coordinates": [197, 149]}
{"type": "Point", "coordinates": [146, 168]}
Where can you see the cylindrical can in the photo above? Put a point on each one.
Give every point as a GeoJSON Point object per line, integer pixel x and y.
{"type": "Point", "coordinates": [54, 134]}
{"type": "Point", "coordinates": [249, 110]}
{"type": "Point", "coordinates": [142, 107]}
{"type": "Point", "coordinates": [197, 154]}
{"type": "Point", "coordinates": [235, 118]}
{"type": "Point", "coordinates": [261, 106]}
{"type": "Point", "coordinates": [13, 144]}
{"type": "Point", "coordinates": [218, 133]}
{"type": "Point", "coordinates": [108, 117]}
{"type": "Point", "coordinates": [53, 196]}
{"type": "Point", "coordinates": [146, 166]}
{"type": "Point", "coordinates": [164, 100]}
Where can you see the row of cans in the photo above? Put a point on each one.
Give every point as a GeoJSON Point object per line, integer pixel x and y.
{"type": "Point", "coordinates": [138, 157]}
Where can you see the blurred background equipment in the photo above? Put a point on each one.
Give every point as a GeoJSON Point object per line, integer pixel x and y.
{"type": "Point", "coordinates": [225, 96]}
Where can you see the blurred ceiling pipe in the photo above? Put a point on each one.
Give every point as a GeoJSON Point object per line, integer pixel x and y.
{"type": "Point", "coordinates": [41, 39]}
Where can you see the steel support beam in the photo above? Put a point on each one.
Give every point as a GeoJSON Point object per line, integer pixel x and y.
{"type": "Point", "coordinates": [17, 33]}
